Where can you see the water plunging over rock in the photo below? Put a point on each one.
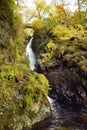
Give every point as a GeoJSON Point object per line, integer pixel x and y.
{"type": "Point", "coordinates": [62, 118]}
{"type": "Point", "coordinates": [40, 110]}
{"type": "Point", "coordinates": [30, 54]}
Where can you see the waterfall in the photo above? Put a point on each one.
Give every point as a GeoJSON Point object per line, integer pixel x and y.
{"type": "Point", "coordinates": [50, 100]}
{"type": "Point", "coordinates": [30, 54]}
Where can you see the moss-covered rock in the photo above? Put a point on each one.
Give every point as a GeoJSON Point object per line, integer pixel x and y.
{"type": "Point", "coordinates": [23, 93]}
{"type": "Point", "coordinates": [63, 61]}
{"type": "Point", "coordinates": [22, 97]}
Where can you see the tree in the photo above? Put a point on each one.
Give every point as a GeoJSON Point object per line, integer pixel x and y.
{"type": "Point", "coordinates": [75, 18]}
{"type": "Point", "coordinates": [61, 14]}
{"type": "Point", "coordinates": [8, 7]}
{"type": "Point", "coordinates": [83, 4]}
{"type": "Point", "coordinates": [40, 6]}
{"type": "Point", "coordinates": [42, 10]}
{"type": "Point", "coordinates": [86, 19]}
{"type": "Point", "coordinates": [39, 12]}
{"type": "Point", "coordinates": [19, 2]}
{"type": "Point", "coordinates": [79, 8]}
{"type": "Point", "coordinates": [65, 3]}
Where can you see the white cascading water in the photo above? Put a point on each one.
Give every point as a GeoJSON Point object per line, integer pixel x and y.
{"type": "Point", "coordinates": [50, 100]}
{"type": "Point", "coordinates": [30, 54]}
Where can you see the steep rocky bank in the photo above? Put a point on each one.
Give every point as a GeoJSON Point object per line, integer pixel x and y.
{"type": "Point", "coordinates": [22, 104]}
{"type": "Point", "coordinates": [62, 58]}
{"type": "Point", "coordinates": [64, 62]}
{"type": "Point", "coordinates": [23, 93]}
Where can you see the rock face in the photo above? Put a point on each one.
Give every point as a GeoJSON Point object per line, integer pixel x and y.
{"type": "Point", "coordinates": [66, 71]}
{"type": "Point", "coordinates": [67, 86]}
{"type": "Point", "coordinates": [42, 111]}
{"type": "Point", "coordinates": [22, 104]}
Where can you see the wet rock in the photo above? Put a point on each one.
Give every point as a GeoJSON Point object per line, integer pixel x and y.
{"type": "Point", "coordinates": [44, 111]}
{"type": "Point", "coordinates": [67, 73]}
{"type": "Point", "coordinates": [67, 86]}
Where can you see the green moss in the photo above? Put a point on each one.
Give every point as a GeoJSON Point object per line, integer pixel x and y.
{"type": "Point", "coordinates": [82, 44]}
{"type": "Point", "coordinates": [83, 66]}
{"type": "Point", "coordinates": [68, 57]}
{"type": "Point", "coordinates": [20, 88]}
{"type": "Point", "coordinates": [7, 11]}
{"type": "Point", "coordinates": [72, 48]}
{"type": "Point", "coordinates": [62, 32]}
{"type": "Point", "coordinates": [12, 36]}
{"type": "Point", "coordinates": [36, 89]}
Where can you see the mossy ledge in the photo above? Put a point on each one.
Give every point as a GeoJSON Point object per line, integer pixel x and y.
{"type": "Point", "coordinates": [22, 97]}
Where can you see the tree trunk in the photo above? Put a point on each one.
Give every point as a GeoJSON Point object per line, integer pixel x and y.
{"type": "Point", "coordinates": [86, 20]}
{"type": "Point", "coordinates": [79, 8]}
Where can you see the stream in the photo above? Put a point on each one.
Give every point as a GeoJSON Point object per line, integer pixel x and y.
{"type": "Point", "coordinates": [62, 118]}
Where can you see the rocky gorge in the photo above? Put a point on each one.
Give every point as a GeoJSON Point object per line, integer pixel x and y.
{"type": "Point", "coordinates": [67, 77]}
{"type": "Point", "coordinates": [61, 71]}
{"type": "Point", "coordinates": [64, 63]}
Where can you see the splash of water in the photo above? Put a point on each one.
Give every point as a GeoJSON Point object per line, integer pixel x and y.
{"type": "Point", "coordinates": [30, 54]}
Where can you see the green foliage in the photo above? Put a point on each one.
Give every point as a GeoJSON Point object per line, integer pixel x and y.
{"type": "Point", "coordinates": [83, 66]}
{"type": "Point", "coordinates": [50, 49]}
{"type": "Point", "coordinates": [35, 86]}
{"type": "Point", "coordinates": [10, 77]}
{"type": "Point", "coordinates": [38, 24]}
{"type": "Point", "coordinates": [82, 43]}
{"type": "Point", "coordinates": [61, 14]}
{"type": "Point", "coordinates": [19, 90]}
{"type": "Point", "coordinates": [41, 9]}
{"type": "Point", "coordinates": [74, 20]}
{"type": "Point", "coordinates": [7, 10]}
{"type": "Point", "coordinates": [36, 89]}
{"type": "Point", "coordinates": [19, 36]}
{"type": "Point", "coordinates": [40, 4]}
{"type": "Point", "coordinates": [9, 74]}
{"type": "Point", "coordinates": [12, 36]}
{"type": "Point", "coordinates": [62, 32]}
